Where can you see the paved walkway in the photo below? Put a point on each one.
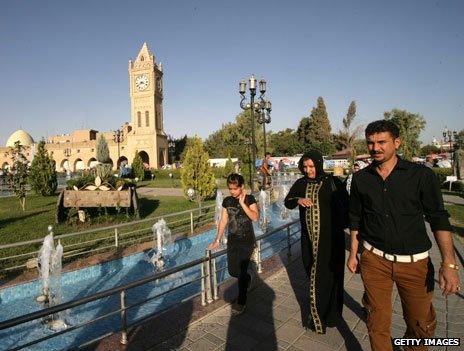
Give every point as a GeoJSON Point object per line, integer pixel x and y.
{"type": "Point", "coordinates": [275, 310]}
{"type": "Point", "coordinates": [273, 319]}
{"type": "Point", "coordinates": [453, 199]}
{"type": "Point", "coordinates": [145, 191]}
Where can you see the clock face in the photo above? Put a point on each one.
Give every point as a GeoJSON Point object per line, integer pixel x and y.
{"type": "Point", "coordinates": [141, 82]}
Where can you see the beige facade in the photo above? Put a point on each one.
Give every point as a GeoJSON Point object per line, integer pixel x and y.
{"type": "Point", "coordinates": [143, 134]}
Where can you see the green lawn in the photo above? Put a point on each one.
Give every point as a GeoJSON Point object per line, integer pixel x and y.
{"type": "Point", "coordinates": [16, 225]}
{"type": "Point", "coordinates": [457, 220]}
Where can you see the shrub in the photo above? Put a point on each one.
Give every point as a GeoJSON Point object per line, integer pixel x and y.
{"type": "Point", "coordinates": [455, 186]}
{"type": "Point", "coordinates": [82, 180]}
{"type": "Point", "coordinates": [42, 174]}
{"type": "Point", "coordinates": [196, 172]}
{"type": "Point", "coordinates": [442, 173]}
{"type": "Point", "coordinates": [138, 170]}
{"type": "Point", "coordinates": [103, 153]}
{"type": "Point", "coordinates": [103, 168]}
{"type": "Point", "coordinates": [18, 175]}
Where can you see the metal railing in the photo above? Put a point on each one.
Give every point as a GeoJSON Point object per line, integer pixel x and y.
{"type": "Point", "coordinates": [15, 256]}
{"type": "Point", "coordinates": [208, 292]}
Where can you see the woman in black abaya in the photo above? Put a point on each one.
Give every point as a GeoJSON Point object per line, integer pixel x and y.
{"type": "Point", "coordinates": [322, 201]}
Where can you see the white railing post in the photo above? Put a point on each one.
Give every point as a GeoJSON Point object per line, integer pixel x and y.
{"type": "Point", "coordinates": [116, 238]}
{"type": "Point", "coordinates": [191, 222]}
{"type": "Point", "coordinates": [203, 291]}
{"type": "Point", "coordinates": [214, 278]}
{"type": "Point", "coordinates": [209, 297]}
{"type": "Point", "coordinates": [123, 318]}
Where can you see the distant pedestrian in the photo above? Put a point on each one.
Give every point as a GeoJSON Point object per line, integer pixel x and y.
{"type": "Point", "coordinates": [388, 203]}
{"type": "Point", "coordinates": [356, 168]}
{"type": "Point", "coordinates": [429, 161]}
{"type": "Point", "coordinates": [237, 167]}
{"type": "Point", "coordinates": [281, 166]}
{"type": "Point", "coordinates": [239, 210]}
{"type": "Point", "coordinates": [265, 171]}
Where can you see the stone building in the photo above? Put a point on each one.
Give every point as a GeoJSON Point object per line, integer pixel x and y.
{"type": "Point", "coordinates": [144, 133]}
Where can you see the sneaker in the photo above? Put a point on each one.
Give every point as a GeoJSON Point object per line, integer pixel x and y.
{"type": "Point", "coordinates": [237, 309]}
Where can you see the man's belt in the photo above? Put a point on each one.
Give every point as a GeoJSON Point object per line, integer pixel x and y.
{"type": "Point", "coordinates": [396, 258]}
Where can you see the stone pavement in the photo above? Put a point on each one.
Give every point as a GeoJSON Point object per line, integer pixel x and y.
{"type": "Point", "coordinates": [453, 199]}
{"type": "Point", "coordinates": [275, 311]}
{"type": "Point", "coordinates": [145, 191]}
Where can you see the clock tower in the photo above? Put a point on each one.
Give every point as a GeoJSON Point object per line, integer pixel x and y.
{"type": "Point", "coordinates": [146, 96]}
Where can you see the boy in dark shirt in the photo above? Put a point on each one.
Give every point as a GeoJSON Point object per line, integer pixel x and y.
{"type": "Point", "coordinates": [238, 212]}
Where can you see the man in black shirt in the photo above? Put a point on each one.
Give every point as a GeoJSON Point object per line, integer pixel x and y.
{"type": "Point", "coordinates": [388, 203]}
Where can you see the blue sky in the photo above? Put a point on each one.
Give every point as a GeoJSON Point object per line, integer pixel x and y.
{"type": "Point", "coordinates": [63, 64]}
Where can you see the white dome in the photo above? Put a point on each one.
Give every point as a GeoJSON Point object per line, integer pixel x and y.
{"type": "Point", "coordinates": [20, 135]}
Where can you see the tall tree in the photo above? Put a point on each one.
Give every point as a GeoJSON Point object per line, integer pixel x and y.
{"type": "Point", "coordinates": [410, 126]}
{"type": "Point", "coordinates": [196, 172]}
{"type": "Point", "coordinates": [459, 140]}
{"type": "Point", "coordinates": [349, 133]}
{"type": "Point", "coordinates": [42, 174]}
{"type": "Point", "coordinates": [234, 139]}
{"type": "Point", "coordinates": [319, 124]}
{"type": "Point", "coordinates": [179, 147]}
{"type": "Point", "coordinates": [18, 175]}
{"type": "Point", "coordinates": [314, 132]}
{"type": "Point", "coordinates": [303, 132]}
{"type": "Point", "coordinates": [285, 143]}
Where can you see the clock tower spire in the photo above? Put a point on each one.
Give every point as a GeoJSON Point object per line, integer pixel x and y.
{"type": "Point", "coordinates": [146, 96]}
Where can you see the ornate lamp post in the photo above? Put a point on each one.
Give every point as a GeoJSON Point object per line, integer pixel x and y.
{"type": "Point", "coordinates": [264, 118]}
{"type": "Point", "coordinates": [450, 136]}
{"type": "Point", "coordinates": [118, 138]}
{"type": "Point", "coordinates": [171, 147]}
{"type": "Point", "coordinates": [259, 107]}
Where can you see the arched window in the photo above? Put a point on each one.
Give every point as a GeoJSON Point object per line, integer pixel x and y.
{"type": "Point", "coordinates": [142, 58]}
{"type": "Point", "coordinates": [139, 119]}
{"type": "Point", "coordinates": [147, 119]}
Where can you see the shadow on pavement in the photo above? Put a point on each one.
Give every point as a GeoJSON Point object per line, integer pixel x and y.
{"type": "Point", "coordinates": [254, 329]}
{"type": "Point", "coordinates": [300, 285]}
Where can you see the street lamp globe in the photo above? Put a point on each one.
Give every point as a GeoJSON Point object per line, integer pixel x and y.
{"type": "Point", "coordinates": [191, 193]}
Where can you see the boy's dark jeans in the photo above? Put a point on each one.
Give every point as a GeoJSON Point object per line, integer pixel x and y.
{"type": "Point", "coordinates": [238, 259]}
